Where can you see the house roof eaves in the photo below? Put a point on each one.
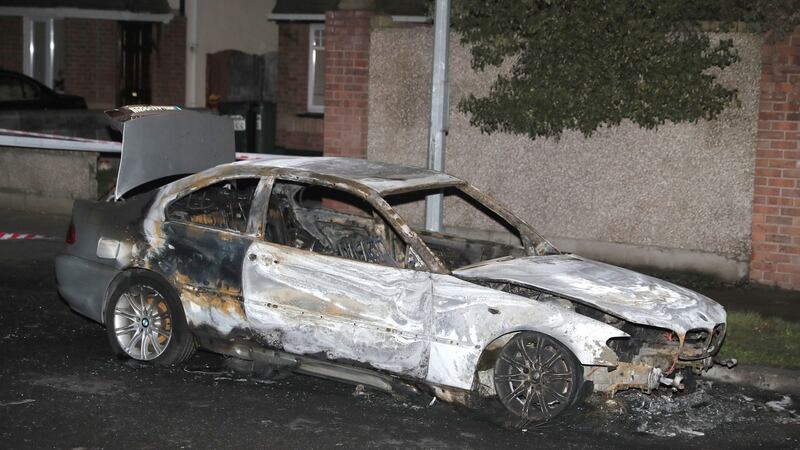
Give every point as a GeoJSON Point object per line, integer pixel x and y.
{"type": "Point", "coordinates": [80, 13]}
{"type": "Point", "coordinates": [321, 18]}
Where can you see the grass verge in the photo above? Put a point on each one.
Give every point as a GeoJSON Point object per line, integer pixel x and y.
{"type": "Point", "coordinates": [769, 341]}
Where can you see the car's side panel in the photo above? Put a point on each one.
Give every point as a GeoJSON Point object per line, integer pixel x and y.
{"type": "Point", "coordinates": [468, 317]}
{"type": "Point", "coordinates": [204, 265]}
{"type": "Point", "coordinates": [307, 303]}
{"type": "Point", "coordinates": [84, 276]}
{"type": "Point", "coordinates": [83, 284]}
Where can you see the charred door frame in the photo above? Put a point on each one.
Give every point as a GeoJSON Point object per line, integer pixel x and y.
{"type": "Point", "coordinates": [265, 256]}
{"type": "Point", "coordinates": [398, 224]}
{"type": "Point", "coordinates": [213, 302]}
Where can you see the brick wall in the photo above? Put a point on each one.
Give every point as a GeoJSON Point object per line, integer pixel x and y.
{"type": "Point", "coordinates": [776, 202]}
{"type": "Point", "coordinates": [347, 35]}
{"type": "Point", "coordinates": [295, 132]}
{"type": "Point", "coordinates": [91, 60]}
{"type": "Point", "coordinates": [11, 43]}
{"type": "Point", "coordinates": [168, 63]}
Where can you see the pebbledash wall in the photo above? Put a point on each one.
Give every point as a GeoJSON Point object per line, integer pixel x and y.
{"type": "Point", "coordinates": [677, 198]}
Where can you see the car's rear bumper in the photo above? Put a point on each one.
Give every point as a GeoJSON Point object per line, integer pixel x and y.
{"type": "Point", "coordinates": [83, 284]}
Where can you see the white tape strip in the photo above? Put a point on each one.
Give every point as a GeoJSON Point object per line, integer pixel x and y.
{"type": "Point", "coordinates": [27, 139]}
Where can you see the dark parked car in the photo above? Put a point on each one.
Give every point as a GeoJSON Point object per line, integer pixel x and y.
{"type": "Point", "coordinates": [18, 91]}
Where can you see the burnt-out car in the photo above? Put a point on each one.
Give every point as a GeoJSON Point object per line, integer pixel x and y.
{"type": "Point", "coordinates": [322, 266]}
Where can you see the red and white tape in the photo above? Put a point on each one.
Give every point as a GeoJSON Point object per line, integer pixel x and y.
{"type": "Point", "coordinates": [8, 236]}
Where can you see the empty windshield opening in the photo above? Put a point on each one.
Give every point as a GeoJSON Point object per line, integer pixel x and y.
{"type": "Point", "coordinates": [471, 232]}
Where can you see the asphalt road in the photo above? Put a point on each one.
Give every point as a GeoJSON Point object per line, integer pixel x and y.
{"type": "Point", "coordinates": [61, 387]}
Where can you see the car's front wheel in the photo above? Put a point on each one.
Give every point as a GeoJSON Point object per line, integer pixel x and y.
{"type": "Point", "coordinates": [536, 378]}
{"type": "Point", "coordinates": [145, 321]}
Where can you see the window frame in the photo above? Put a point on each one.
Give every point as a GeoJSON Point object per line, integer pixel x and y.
{"type": "Point", "coordinates": [312, 28]}
{"type": "Point", "coordinates": [423, 254]}
{"type": "Point", "coordinates": [253, 223]}
{"type": "Point", "coordinates": [18, 81]}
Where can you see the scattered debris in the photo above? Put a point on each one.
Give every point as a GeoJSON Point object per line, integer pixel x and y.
{"type": "Point", "coordinates": [238, 380]}
{"type": "Point", "coordinates": [665, 414]}
{"type": "Point", "coordinates": [203, 372]}
{"type": "Point", "coordinates": [691, 432]}
{"type": "Point", "coordinates": [360, 391]}
{"type": "Point", "coordinates": [19, 402]}
{"type": "Point", "coordinates": [782, 405]}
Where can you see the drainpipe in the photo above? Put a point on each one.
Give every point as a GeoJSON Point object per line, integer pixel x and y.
{"type": "Point", "coordinates": [439, 110]}
{"type": "Point", "coordinates": [191, 53]}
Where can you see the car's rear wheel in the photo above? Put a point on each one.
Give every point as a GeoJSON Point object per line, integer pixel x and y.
{"type": "Point", "coordinates": [536, 378]}
{"type": "Point", "coordinates": [145, 321]}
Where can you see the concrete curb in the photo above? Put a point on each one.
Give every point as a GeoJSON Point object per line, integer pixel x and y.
{"type": "Point", "coordinates": [769, 378]}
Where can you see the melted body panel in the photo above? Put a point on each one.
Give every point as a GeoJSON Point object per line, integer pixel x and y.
{"type": "Point", "coordinates": [468, 317]}
{"type": "Point", "coordinates": [204, 265]}
{"type": "Point", "coordinates": [308, 303]}
{"type": "Point", "coordinates": [380, 177]}
{"type": "Point", "coordinates": [626, 294]}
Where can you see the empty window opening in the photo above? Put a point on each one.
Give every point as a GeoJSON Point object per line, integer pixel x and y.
{"type": "Point", "coordinates": [224, 205]}
{"type": "Point", "coordinates": [331, 222]}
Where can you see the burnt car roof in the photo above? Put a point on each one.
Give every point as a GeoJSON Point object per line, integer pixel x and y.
{"type": "Point", "coordinates": [382, 177]}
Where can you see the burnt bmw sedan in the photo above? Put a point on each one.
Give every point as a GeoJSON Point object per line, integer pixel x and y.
{"type": "Point", "coordinates": [322, 266]}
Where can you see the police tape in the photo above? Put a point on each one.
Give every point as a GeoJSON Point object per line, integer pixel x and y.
{"type": "Point", "coordinates": [44, 141]}
{"type": "Point", "coordinates": [9, 236]}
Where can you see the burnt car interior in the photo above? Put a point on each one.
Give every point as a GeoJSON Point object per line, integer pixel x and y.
{"type": "Point", "coordinates": [224, 205]}
{"type": "Point", "coordinates": [487, 235]}
{"type": "Point", "coordinates": [331, 222]}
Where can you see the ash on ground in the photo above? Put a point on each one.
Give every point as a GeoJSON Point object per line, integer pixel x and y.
{"type": "Point", "coordinates": [698, 412]}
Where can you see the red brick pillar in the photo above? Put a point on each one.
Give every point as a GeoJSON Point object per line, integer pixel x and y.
{"type": "Point", "coordinates": [776, 202]}
{"type": "Point", "coordinates": [346, 82]}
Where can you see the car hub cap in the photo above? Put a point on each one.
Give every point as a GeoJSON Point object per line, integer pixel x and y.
{"type": "Point", "coordinates": [142, 323]}
{"type": "Point", "coordinates": [533, 377]}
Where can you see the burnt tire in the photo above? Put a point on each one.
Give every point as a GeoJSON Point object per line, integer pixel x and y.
{"type": "Point", "coordinates": [536, 378]}
{"type": "Point", "coordinates": [145, 321]}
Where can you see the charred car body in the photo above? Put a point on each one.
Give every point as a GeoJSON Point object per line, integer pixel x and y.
{"type": "Point", "coordinates": [316, 265]}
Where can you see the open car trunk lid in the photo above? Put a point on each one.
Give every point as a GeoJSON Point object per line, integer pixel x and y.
{"type": "Point", "coordinates": [164, 142]}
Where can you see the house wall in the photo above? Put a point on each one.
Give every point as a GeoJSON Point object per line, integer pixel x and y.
{"type": "Point", "coordinates": [168, 63]}
{"type": "Point", "coordinates": [776, 210]}
{"type": "Point", "coordinates": [91, 61]}
{"type": "Point", "coordinates": [11, 43]}
{"type": "Point", "coordinates": [679, 197]}
{"type": "Point", "coordinates": [294, 130]}
{"type": "Point", "coordinates": [347, 38]}
{"type": "Point", "coordinates": [232, 25]}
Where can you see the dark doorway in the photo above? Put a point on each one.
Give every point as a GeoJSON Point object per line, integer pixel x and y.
{"type": "Point", "coordinates": [136, 43]}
